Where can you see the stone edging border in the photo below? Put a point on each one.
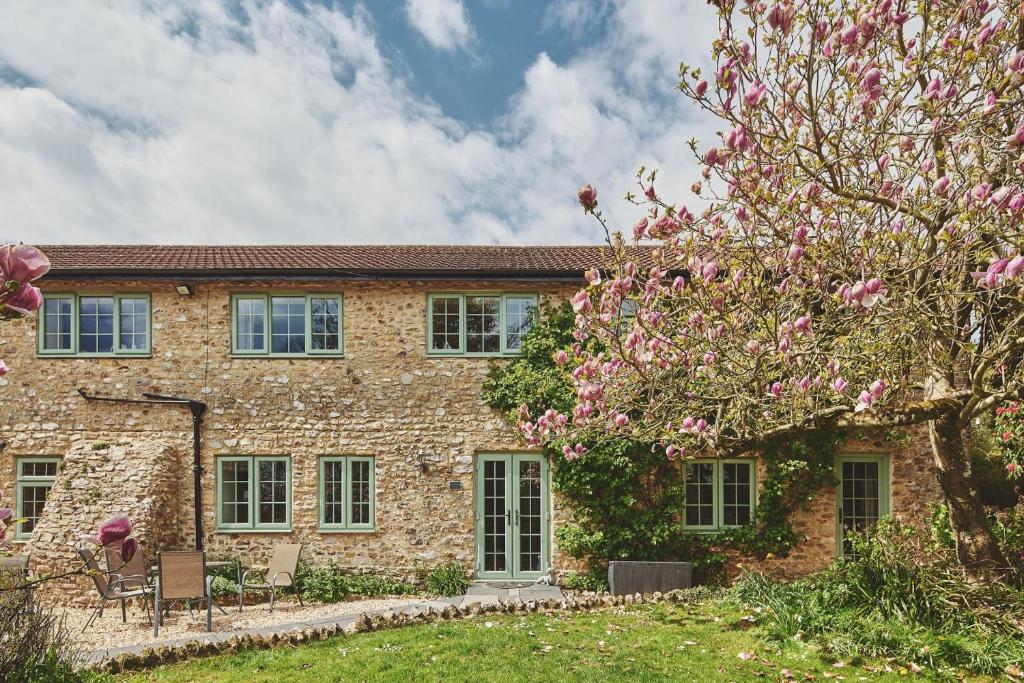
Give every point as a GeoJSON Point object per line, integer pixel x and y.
{"type": "Point", "coordinates": [366, 622]}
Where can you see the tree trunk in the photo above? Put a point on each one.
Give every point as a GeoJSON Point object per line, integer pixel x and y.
{"type": "Point", "coordinates": [976, 545]}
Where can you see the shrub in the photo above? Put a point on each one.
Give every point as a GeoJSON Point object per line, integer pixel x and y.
{"type": "Point", "coordinates": [34, 643]}
{"type": "Point", "coordinates": [447, 579]}
{"type": "Point", "coordinates": [324, 583]}
{"type": "Point", "coordinates": [593, 579]}
{"type": "Point", "coordinates": [896, 599]}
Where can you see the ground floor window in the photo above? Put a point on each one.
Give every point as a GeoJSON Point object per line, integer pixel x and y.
{"type": "Point", "coordinates": [35, 477]}
{"type": "Point", "coordinates": [719, 493]}
{"type": "Point", "coordinates": [254, 492]}
{"type": "Point", "coordinates": [346, 493]}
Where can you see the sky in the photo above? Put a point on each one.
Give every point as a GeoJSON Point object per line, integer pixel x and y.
{"type": "Point", "coordinates": [273, 122]}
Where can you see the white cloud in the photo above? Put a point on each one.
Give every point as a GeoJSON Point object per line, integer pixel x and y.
{"type": "Point", "coordinates": [290, 126]}
{"type": "Point", "coordinates": [444, 23]}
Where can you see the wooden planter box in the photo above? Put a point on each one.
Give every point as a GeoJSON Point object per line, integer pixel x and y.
{"type": "Point", "coordinates": [628, 577]}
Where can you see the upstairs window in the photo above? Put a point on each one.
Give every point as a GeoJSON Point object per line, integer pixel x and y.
{"type": "Point", "coordinates": [286, 324]}
{"type": "Point", "coordinates": [484, 324]}
{"type": "Point", "coordinates": [95, 325]}
{"type": "Point", "coordinates": [719, 494]}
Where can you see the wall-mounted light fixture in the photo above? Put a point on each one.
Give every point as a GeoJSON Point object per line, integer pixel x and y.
{"type": "Point", "coordinates": [184, 290]}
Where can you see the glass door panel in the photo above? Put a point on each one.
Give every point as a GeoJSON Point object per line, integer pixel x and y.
{"type": "Point", "coordinates": [495, 515]}
{"type": "Point", "coordinates": [529, 517]}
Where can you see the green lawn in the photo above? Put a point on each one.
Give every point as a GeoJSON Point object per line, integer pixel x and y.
{"type": "Point", "coordinates": [640, 643]}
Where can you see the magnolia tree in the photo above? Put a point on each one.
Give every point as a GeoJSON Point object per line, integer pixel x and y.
{"type": "Point", "coordinates": [853, 256]}
{"type": "Point", "coordinates": [20, 266]}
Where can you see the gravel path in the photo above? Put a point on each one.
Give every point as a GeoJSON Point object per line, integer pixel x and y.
{"type": "Point", "coordinates": [108, 631]}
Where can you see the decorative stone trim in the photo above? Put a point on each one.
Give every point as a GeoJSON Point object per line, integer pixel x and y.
{"type": "Point", "coordinates": [388, 619]}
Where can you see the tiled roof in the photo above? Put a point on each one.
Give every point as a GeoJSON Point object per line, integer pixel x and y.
{"type": "Point", "coordinates": [341, 260]}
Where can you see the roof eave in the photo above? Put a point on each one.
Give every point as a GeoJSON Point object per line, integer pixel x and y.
{"type": "Point", "coordinates": [567, 275]}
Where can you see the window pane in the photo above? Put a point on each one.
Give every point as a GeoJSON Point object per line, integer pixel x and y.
{"type": "Point", "coordinates": [134, 324]}
{"type": "Point", "coordinates": [483, 324]}
{"type": "Point", "coordinates": [288, 324]}
{"type": "Point", "coordinates": [57, 324]}
{"type": "Point", "coordinates": [517, 320]}
{"type": "Point", "coordinates": [273, 492]}
{"type": "Point", "coordinates": [736, 490]}
{"type": "Point", "coordinates": [249, 324]}
{"type": "Point", "coordinates": [700, 494]}
{"type": "Point", "coordinates": [96, 324]}
{"type": "Point", "coordinates": [362, 477]}
{"type": "Point", "coordinates": [234, 492]}
{"type": "Point", "coordinates": [33, 499]}
{"type": "Point", "coordinates": [325, 323]}
{"type": "Point", "coordinates": [444, 316]}
{"type": "Point", "coordinates": [334, 491]}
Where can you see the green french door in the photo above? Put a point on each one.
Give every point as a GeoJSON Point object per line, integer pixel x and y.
{"type": "Point", "coordinates": [862, 496]}
{"type": "Point", "coordinates": [512, 516]}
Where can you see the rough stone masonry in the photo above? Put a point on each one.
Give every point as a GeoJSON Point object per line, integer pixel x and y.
{"type": "Point", "coordinates": [385, 398]}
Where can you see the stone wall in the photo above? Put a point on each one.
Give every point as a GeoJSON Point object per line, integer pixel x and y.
{"type": "Point", "coordinates": [385, 398]}
{"type": "Point", "coordinates": [136, 477]}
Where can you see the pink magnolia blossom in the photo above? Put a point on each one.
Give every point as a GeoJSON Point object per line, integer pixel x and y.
{"type": "Point", "coordinates": [839, 385]}
{"type": "Point", "coordinates": [701, 88]}
{"type": "Point", "coordinates": [3, 368]}
{"type": "Point", "coordinates": [941, 186]}
{"type": "Point", "coordinates": [587, 197]}
{"type": "Point", "coordinates": [776, 390]}
{"type": "Point", "coordinates": [754, 94]}
{"type": "Point", "coordinates": [561, 357]}
{"type": "Point", "coordinates": [753, 347]}
{"type": "Point", "coordinates": [593, 276]}
{"type": "Point", "coordinates": [115, 529]}
{"type": "Point", "coordinates": [22, 263]}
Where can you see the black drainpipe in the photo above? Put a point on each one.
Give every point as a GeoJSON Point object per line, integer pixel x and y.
{"type": "Point", "coordinates": [197, 408]}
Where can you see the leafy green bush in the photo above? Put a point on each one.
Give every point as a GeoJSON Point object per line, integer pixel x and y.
{"type": "Point", "coordinates": [372, 585]}
{"type": "Point", "coordinates": [329, 583]}
{"type": "Point", "coordinates": [324, 583]}
{"type": "Point", "coordinates": [224, 588]}
{"type": "Point", "coordinates": [447, 579]}
{"type": "Point", "coordinates": [591, 580]}
{"type": "Point", "coordinates": [896, 599]}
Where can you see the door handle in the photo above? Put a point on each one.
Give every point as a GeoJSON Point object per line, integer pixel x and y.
{"type": "Point", "coordinates": [508, 517]}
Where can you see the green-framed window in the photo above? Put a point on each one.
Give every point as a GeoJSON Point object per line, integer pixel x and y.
{"type": "Point", "coordinates": [88, 324]}
{"type": "Point", "coordinates": [347, 493]}
{"type": "Point", "coordinates": [719, 494]}
{"type": "Point", "coordinates": [35, 477]}
{"type": "Point", "coordinates": [254, 493]}
{"type": "Point", "coordinates": [287, 324]}
{"type": "Point", "coordinates": [478, 324]}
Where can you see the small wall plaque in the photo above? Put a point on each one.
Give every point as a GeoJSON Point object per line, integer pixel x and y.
{"type": "Point", "coordinates": [455, 485]}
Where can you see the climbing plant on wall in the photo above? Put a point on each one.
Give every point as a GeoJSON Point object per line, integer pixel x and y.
{"type": "Point", "coordinates": [626, 496]}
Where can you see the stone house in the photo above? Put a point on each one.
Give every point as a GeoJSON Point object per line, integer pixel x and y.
{"type": "Point", "coordinates": [336, 392]}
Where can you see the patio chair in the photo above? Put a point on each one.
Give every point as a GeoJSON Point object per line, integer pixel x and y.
{"type": "Point", "coordinates": [181, 575]}
{"type": "Point", "coordinates": [281, 574]}
{"type": "Point", "coordinates": [132, 573]}
{"type": "Point", "coordinates": [111, 589]}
